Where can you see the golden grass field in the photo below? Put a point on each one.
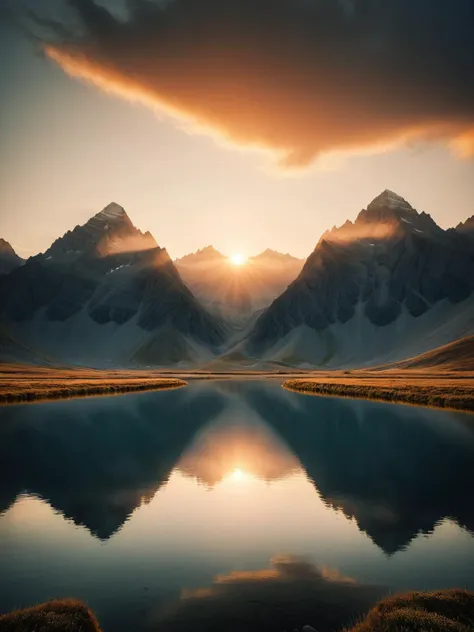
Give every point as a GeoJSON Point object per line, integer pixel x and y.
{"type": "Point", "coordinates": [427, 388]}
{"type": "Point", "coordinates": [20, 383]}
{"type": "Point", "coordinates": [441, 377]}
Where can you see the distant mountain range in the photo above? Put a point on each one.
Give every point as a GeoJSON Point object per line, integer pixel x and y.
{"type": "Point", "coordinates": [386, 287]}
{"type": "Point", "coordinates": [237, 292]}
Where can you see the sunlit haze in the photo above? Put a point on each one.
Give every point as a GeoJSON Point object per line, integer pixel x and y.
{"type": "Point", "coordinates": [238, 260]}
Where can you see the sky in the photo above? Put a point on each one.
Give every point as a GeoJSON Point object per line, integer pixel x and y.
{"type": "Point", "coordinates": [244, 124]}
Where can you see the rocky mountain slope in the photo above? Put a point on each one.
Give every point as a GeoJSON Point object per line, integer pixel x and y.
{"type": "Point", "coordinates": [106, 293]}
{"type": "Point", "coordinates": [388, 286]}
{"type": "Point", "coordinates": [237, 292]}
{"type": "Point", "coordinates": [9, 260]}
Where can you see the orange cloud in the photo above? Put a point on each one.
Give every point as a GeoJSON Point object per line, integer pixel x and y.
{"type": "Point", "coordinates": [296, 78]}
{"type": "Point", "coordinates": [289, 594]}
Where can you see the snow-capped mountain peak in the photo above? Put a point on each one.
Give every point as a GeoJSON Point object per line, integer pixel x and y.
{"type": "Point", "coordinates": [110, 231]}
{"type": "Point", "coordinates": [112, 211]}
{"type": "Point", "coordinates": [111, 217]}
{"type": "Point", "coordinates": [387, 207]}
{"type": "Point", "coordinates": [391, 213]}
{"type": "Point", "coordinates": [391, 200]}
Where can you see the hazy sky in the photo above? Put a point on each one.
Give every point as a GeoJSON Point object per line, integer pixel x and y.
{"type": "Point", "coordinates": [67, 148]}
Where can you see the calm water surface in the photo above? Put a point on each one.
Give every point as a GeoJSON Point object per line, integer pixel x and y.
{"type": "Point", "coordinates": [232, 506]}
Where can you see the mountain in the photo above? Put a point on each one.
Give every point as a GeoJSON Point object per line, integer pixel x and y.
{"type": "Point", "coordinates": [455, 356]}
{"type": "Point", "coordinates": [13, 350]}
{"type": "Point", "coordinates": [106, 293]}
{"type": "Point", "coordinates": [388, 286]}
{"type": "Point", "coordinates": [9, 260]}
{"type": "Point", "coordinates": [466, 228]}
{"type": "Point", "coordinates": [237, 292]}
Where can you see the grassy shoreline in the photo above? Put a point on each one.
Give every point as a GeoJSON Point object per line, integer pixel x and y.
{"type": "Point", "coordinates": [442, 389]}
{"type": "Point", "coordinates": [41, 390]}
{"type": "Point", "coordinates": [436, 390]}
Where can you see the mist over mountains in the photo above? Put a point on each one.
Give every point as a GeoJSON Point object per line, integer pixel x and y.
{"type": "Point", "coordinates": [390, 285]}
{"type": "Point", "coordinates": [237, 292]}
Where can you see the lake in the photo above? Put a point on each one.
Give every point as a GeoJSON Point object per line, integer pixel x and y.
{"type": "Point", "coordinates": [232, 505]}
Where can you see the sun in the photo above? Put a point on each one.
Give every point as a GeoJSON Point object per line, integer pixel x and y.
{"type": "Point", "coordinates": [237, 260]}
{"type": "Point", "coordinates": [237, 475]}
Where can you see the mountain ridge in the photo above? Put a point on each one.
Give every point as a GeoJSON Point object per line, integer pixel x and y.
{"type": "Point", "coordinates": [387, 286]}
{"type": "Point", "coordinates": [106, 274]}
{"type": "Point", "coordinates": [392, 265]}
{"type": "Point", "coordinates": [236, 293]}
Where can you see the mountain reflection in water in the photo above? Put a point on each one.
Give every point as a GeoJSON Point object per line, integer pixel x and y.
{"type": "Point", "coordinates": [237, 443]}
{"type": "Point", "coordinates": [397, 470]}
{"type": "Point", "coordinates": [96, 460]}
{"type": "Point", "coordinates": [246, 492]}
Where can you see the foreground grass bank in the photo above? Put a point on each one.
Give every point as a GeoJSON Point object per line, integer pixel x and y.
{"type": "Point", "coordinates": [64, 615]}
{"type": "Point", "coordinates": [441, 611]}
{"type": "Point", "coordinates": [447, 390]}
{"type": "Point", "coordinates": [26, 384]}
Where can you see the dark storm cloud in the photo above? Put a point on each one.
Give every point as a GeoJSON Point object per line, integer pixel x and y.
{"type": "Point", "coordinates": [298, 77]}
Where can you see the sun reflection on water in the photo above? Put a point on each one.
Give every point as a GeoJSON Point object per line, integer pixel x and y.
{"type": "Point", "coordinates": [238, 475]}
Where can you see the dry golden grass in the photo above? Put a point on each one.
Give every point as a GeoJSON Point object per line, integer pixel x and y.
{"type": "Point", "coordinates": [65, 615]}
{"type": "Point", "coordinates": [427, 388]}
{"type": "Point", "coordinates": [441, 611]}
{"type": "Point", "coordinates": [20, 383]}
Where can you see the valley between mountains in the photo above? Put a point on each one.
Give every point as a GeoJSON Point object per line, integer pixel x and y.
{"type": "Point", "coordinates": [390, 292]}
